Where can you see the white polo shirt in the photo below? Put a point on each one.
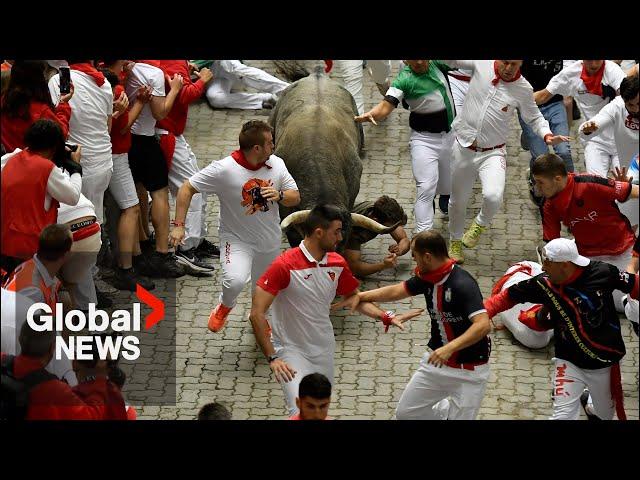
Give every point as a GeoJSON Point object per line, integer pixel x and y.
{"type": "Point", "coordinates": [615, 118]}
{"type": "Point", "coordinates": [91, 107]}
{"type": "Point", "coordinates": [144, 74]}
{"type": "Point", "coordinates": [569, 84]}
{"type": "Point", "coordinates": [237, 184]}
{"type": "Point", "coordinates": [488, 108]}
{"type": "Point", "coordinates": [304, 291]}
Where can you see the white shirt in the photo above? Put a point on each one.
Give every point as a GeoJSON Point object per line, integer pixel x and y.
{"type": "Point", "coordinates": [536, 269]}
{"type": "Point", "coordinates": [614, 118]}
{"type": "Point", "coordinates": [91, 107]}
{"type": "Point", "coordinates": [304, 290]}
{"type": "Point", "coordinates": [59, 185]}
{"type": "Point", "coordinates": [488, 109]}
{"type": "Point", "coordinates": [144, 74]}
{"type": "Point", "coordinates": [569, 84]}
{"type": "Point", "coordinates": [14, 314]}
{"type": "Point", "coordinates": [240, 217]}
{"type": "Point", "coordinates": [69, 213]}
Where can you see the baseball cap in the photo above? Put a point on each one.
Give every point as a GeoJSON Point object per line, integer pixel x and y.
{"type": "Point", "coordinates": [563, 250]}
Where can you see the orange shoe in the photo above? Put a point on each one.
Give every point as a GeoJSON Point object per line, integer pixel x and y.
{"type": "Point", "coordinates": [218, 317]}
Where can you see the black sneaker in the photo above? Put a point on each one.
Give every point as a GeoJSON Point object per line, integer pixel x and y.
{"type": "Point", "coordinates": [523, 142]}
{"type": "Point", "coordinates": [129, 278]}
{"type": "Point", "coordinates": [103, 300]}
{"type": "Point", "coordinates": [207, 249]}
{"type": "Point", "coordinates": [142, 266]}
{"type": "Point", "coordinates": [584, 400]}
{"type": "Point", "coordinates": [575, 111]}
{"type": "Point", "coordinates": [443, 203]}
{"type": "Point", "coordinates": [192, 262]}
{"type": "Point", "coordinates": [163, 265]}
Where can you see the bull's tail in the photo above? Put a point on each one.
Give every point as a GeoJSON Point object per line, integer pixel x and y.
{"type": "Point", "coordinates": [292, 70]}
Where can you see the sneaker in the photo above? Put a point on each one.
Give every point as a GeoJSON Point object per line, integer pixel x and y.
{"type": "Point", "coordinates": [575, 111]}
{"type": "Point", "coordinates": [164, 265]}
{"type": "Point", "coordinates": [103, 300]}
{"type": "Point", "coordinates": [269, 103]}
{"type": "Point", "coordinates": [207, 249]}
{"type": "Point", "coordinates": [455, 251]}
{"type": "Point", "coordinates": [523, 142]}
{"type": "Point", "coordinates": [192, 262]}
{"type": "Point", "coordinates": [218, 317]}
{"type": "Point", "coordinates": [443, 203]}
{"type": "Point", "coordinates": [129, 278]}
{"type": "Point", "coordinates": [584, 400]}
{"type": "Point", "coordinates": [142, 266]}
{"type": "Point", "coordinates": [471, 236]}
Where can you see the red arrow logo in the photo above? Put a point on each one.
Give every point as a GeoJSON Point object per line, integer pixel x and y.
{"type": "Point", "coordinates": [157, 306]}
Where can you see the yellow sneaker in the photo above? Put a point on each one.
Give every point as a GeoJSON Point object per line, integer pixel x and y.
{"type": "Point", "coordinates": [455, 251]}
{"type": "Point", "coordinates": [471, 236]}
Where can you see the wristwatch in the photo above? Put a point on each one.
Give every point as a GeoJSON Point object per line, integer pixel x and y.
{"type": "Point", "coordinates": [271, 358]}
{"type": "Point", "coordinates": [281, 196]}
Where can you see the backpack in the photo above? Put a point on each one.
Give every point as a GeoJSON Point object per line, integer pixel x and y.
{"type": "Point", "coordinates": [14, 400]}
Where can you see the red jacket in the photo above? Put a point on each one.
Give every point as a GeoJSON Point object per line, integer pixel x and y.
{"type": "Point", "coordinates": [176, 121]}
{"type": "Point", "coordinates": [587, 207]}
{"type": "Point", "coordinates": [112, 405]}
{"type": "Point", "coordinates": [55, 400]}
{"type": "Point", "coordinates": [24, 187]}
{"type": "Point", "coordinates": [120, 142]}
{"type": "Point", "coordinates": [12, 130]}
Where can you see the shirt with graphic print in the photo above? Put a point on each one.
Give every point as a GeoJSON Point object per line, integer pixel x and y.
{"type": "Point", "coordinates": [452, 303]}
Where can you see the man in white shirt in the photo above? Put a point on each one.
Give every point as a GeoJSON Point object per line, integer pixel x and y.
{"type": "Point", "coordinates": [250, 184]}
{"type": "Point", "coordinates": [621, 116]}
{"type": "Point", "coordinates": [496, 89]}
{"type": "Point", "coordinates": [593, 84]}
{"type": "Point", "coordinates": [148, 164]}
{"type": "Point", "coordinates": [301, 284]}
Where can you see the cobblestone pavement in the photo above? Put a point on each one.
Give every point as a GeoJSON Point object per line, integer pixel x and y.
{"type": "Point", "coordinates": [372, 368]}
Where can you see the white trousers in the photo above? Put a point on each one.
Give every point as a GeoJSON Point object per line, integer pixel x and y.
{"type": "Point", "coordinates": [303, 365]}
{"type": "Point", "coordinates": [430, 384]}
{"type": "Point", "coordinates": [351, 72]}
{"type": "Point", "coordinates": [241, 263]}
{"type": "Point", "coordinates": [620, 261]}
{"type": "Point", "coordinates": [93, 187]}
{"type": "Point", "coordinates": [183, 166]}
{"type": "Point", "coordinates": [599, 159]}
{"type": "Point", "coordinates": [77, 271]}
{"type": "Point", "coordinates": [466, 166]}
{"type": "Point", "coordinates": [431, 164]}
{"type": "Point", "coordinates": [231, 73]}
{"type": "Point", "coordinates": [570, 381]}
{"type": "Point", "coordinates": [528, 337]}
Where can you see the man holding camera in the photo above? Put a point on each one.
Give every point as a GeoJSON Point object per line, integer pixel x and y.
{"type": "Point", "coordinates": [32, 188]}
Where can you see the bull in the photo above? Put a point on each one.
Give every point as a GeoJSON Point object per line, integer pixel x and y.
{"type": "Point", "coordinates": [320, 143]}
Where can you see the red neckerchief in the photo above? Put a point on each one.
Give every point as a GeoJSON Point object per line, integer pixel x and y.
{"type": "Point", "coordinates": [239, 157]}
{"type": "Point", "coordinates": [593, 83]}
{"type": "Point", "coordinates": [498, 77]}
{"type": "Point", "coordinates": [498, 286]}
{"type": "Point", "coordinates": [89, 70]}
{"type": "Point", "coordinates": [328, 66]}
{"type": "Point", "coordinates": [437, 275]}
{"type": "Point", "coordinates": [561, 200]}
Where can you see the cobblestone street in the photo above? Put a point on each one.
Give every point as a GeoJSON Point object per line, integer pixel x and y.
{"type": "Point", "coordinates": [372, 368]}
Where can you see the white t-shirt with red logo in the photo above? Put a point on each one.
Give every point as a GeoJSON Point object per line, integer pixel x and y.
{"type": "Point", "coordinates": [244, 216]}
{"type": "Point", "coordinates": [304, 291]}
{"type": "Point", "coordinates": [615, 118]}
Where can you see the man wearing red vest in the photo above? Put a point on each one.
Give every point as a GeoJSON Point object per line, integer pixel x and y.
{"type": "Point", "coordinates": [32, 188]}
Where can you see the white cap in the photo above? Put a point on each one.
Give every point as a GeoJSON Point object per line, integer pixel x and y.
{"type": "Point", "coordinates": [563, 250]}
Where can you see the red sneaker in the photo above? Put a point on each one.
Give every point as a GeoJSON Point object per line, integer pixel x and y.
{"type": "Point", "coordinates": [218, 317]}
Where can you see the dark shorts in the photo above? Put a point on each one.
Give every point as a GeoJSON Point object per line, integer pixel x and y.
{"type": "Point", "coordinates": [147, 163]}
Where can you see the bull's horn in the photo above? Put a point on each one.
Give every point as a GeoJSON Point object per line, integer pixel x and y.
{"type": "Point", "coordinates": [369, 224]}
{"type": "Point", "coordinates": [294, 218]}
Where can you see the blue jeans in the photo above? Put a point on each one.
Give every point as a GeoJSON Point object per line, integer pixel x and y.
{"type": "Point", "coordinates": [556, 115]}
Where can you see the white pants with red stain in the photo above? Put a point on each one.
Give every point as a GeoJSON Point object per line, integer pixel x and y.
{"type": "Point", "coordinates": [600, 158]}
{"type": "Point", "coordinates": [466, 166]}
{"type": "Point", "coordinates": [568, 384]}
{"type": "Point", "coordinates": [429, 385]}
{"type": "Point", "coordinates": [241, 263]}
{"type": "Point", "coordinates": [303, 365]}
{"type": "Point", "coordinates": [431, 165]}
{"type": "Point", "coordinates": [527, 336]}
{"type": "Point", "coordinates": [620, 261]}
{"type": "Point", "coordinates": [183, 166]}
